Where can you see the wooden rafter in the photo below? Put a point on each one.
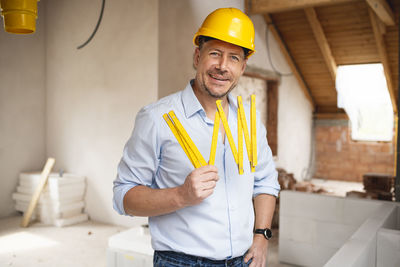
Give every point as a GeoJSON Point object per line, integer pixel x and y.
{"type": "Point", "coordinates": [289, 59]}
{"type": "Point", "coordinates": [321, 41]}
{"type": "Point", "coordinates": [331, 116]}
{"type": "Point", "coordinates": [272, 6]}
{"type": "Point", "coordinates": [383, 11]}
{"type": "Point", "coordinates": [272, 116]}
{"type": "Point", "coordinates": [380, 44]}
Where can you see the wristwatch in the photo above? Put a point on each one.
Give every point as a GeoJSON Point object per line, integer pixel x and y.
{"type": "Point", "coordinates": [266, 232]}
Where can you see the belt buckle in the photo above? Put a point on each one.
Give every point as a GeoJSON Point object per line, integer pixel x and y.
{"type": "Point", "coordinates": [231, 261]}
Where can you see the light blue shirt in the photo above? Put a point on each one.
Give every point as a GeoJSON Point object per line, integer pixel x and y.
{"type": "Point", "coordinates": [221, 226]}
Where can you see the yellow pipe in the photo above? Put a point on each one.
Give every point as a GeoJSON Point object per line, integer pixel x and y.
{"type": "Point", "coordinates": [19, 16]}
{"type": "Point", "coordinates": [396, 119]}
{"type": "Point", "coordinates": [253, 132]}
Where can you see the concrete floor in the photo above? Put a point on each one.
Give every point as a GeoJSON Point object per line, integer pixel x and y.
{"type": "Point", "coordinates": [85, 244]}
{"type": "Point", "coordinates": [79, 245]}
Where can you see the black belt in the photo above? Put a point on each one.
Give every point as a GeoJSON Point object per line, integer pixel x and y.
{"type": "Point", "coordinates": [193, 260]}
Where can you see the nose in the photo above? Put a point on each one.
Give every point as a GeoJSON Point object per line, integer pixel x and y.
{"type": "Point", "coordinates": [223, 63]}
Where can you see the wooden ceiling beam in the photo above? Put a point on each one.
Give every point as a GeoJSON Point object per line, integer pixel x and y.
{"type": "Point", "coordinates": [289, 59]}
{"type": "Point", "coordinates": [321, 41]}
{"type": "Point", "coordinates": [273, 6]}
{"type": "Point", "coordinates": [383, 11]}
{"type": "Point", "coordinates": [331, 116]}
{"type": "Point", "coordinates": [380, 44]}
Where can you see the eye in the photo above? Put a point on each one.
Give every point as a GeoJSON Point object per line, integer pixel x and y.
{"type": "Point", "coordinates": [235, 58]}
{"type": "Point", "coordinates": [214, 53]}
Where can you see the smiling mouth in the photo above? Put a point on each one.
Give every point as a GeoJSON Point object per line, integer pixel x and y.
{"type": "Point", "coordinates": [218, 77]}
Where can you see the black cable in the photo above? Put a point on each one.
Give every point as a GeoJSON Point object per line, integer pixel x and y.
{"type": "Point", "coordinates": [95, 29]}
{"type": "Point", "coordinates": [270, 59]}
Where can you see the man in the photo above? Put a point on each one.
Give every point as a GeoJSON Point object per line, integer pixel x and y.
{"type": "Point", "coordinates": [202, 216]}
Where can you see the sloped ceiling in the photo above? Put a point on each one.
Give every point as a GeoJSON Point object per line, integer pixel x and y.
{"type": "Point", "coordinates": [316, 36]}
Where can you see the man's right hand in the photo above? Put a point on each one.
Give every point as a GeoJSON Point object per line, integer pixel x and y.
{"type": "Point", "coordinates": [199, 184]}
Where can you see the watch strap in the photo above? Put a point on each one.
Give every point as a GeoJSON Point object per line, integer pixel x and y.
{"type": "Point", "coordinates": [267, 233]}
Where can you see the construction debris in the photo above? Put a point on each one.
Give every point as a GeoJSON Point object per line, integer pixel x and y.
{"type": "Point", "coordinates": [38, 190]}
{"type": "Point", "coordinates": [288, 182]}
{"type": "Point", "coordinates": [61, 201]}
{"type": "Point", "coordinates": [376, 186]}
{"type": "Point", "coordinates": [378, 182]}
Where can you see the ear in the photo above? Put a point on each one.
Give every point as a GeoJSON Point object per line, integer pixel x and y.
{"type": "Point", "coordinates": [196, 57]}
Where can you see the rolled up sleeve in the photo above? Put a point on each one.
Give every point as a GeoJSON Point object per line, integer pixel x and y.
{"type": "Point", "coordinates": [139, 161]}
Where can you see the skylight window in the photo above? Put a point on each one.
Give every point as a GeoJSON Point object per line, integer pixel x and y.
{"type": "Point", "coordinates": [362, 92]}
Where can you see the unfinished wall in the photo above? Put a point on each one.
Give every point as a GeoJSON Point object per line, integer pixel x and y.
{"type": "Point", "coordinates": [22, 107]}
{"type": "Point", "coordinates": [178, 22]}
{"type": "Point", "coordinates": [340, 158]}
{"type": "Point", "coordinates": [79, 106]}
{"type": "Point", "coordinates": [320, 230]}
{"type": "Point", "coordinates": [93, 94]}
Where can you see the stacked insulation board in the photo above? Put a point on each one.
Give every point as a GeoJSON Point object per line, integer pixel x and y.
{"type": "Point", "coordinates": [61, 202]}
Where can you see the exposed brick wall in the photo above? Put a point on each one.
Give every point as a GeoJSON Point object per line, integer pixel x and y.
{"type": "Point", "coordinates": [337, 157]}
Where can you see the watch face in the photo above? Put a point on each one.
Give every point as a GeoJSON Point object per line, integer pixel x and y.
{"type": "Point", "coordinates": [267, 233]}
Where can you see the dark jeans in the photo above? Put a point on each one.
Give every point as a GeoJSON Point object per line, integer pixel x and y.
{"type": "Point", "coordinates": [174, 259]}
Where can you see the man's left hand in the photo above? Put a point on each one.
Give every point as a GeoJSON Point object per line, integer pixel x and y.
{"type": "Point", "coordinates": [257, 252]}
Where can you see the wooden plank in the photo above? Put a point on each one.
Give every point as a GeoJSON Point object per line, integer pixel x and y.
{"type": "Point", "coordinates": [331, 116]}
{"type": "Point", "coordinates": [383, 11]}
{"type": "Point", "coordinates": [382, 26]}
{"type": "Point", "coordinates": [383, 57]}
{"type": "Point", "coordinates": [289, 59]}
{"type": "Point", "coordinates": [272, 116]}
{"type": "Point", "coordinates": [273, 6]}
{"type": "Point", "coordinates": [321, 41]}
{"type": "Point", "coordinates": [35, 198]}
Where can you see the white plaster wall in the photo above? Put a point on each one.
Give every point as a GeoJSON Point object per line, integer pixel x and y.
{"type": "Point", "coordinates": [93, 94]}
{"type": "Point", "coordinates": [178, 22]}
{"type": "Point", "coordinates": [22, 107]}
{"type": "Point", "coordinates": [294, 129]}
{"type": "Point", "coordinates": [294, 110]}
{"type": "Point", "coordinates": [143, 49]}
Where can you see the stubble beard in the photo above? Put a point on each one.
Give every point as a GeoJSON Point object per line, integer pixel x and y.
{"type": "Point", "coordinates": [218, 96]}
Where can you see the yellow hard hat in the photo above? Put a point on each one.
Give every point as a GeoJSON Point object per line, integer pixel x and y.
{"type": "Point", "coordinates": [229, 25]}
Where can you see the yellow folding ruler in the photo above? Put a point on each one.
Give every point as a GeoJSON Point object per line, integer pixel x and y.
{"type": "Point", "coordinates": [214, 140]}
{"type": "Point", "coordinates": [184, 140]}
{"type": "Point", "coordinates": [243, 124]}
{"type": "Point", "coordinates": [227, 131]}
{"type": "Point", "coordinates": [194, 154]}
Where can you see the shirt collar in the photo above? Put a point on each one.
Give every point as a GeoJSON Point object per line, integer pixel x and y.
{"type": "Point", "coordinates": [191, 104]}
{"type": "Point", "coordinates": [232, 101]}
